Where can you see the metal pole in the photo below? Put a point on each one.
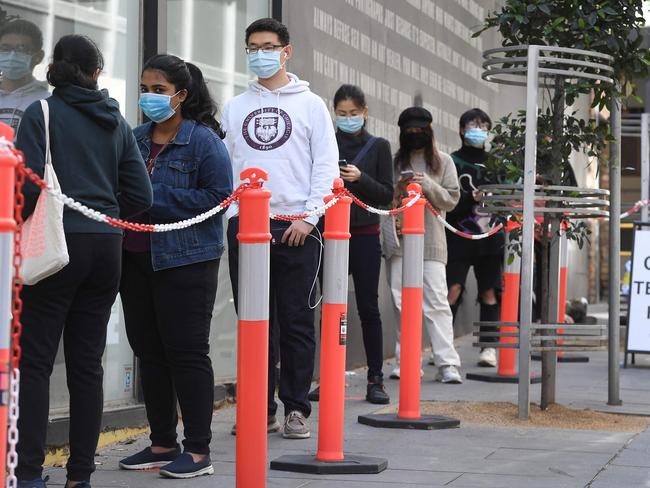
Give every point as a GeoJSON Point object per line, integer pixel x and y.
{"type": "Point", "coordinates": [613, 376]}
{"type": "Point", "coordinates": [645, 164]}
{"type": "Point", "coordinates": [528, 230]}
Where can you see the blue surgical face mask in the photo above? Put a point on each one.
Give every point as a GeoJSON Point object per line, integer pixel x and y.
{"type": "Point", "coordinates": [264, 65]}
{"type": "Point", "coordinates": [476, 137]}
{"type": "Point", "coordinates": [15, 65]}
{"type": "Point", "coordinates": [157, 107]}
{"type": "Point", "coordinates": [351, 125]}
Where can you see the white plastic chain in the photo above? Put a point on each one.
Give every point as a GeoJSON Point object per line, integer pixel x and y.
{"type": "Point", "coordinates": [182, 224]}
{"type": "Point", "coordinates": [12, 434]}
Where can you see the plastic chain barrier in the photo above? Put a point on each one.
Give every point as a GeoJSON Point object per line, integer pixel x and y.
{"type": "Point", "coordinates": [139, 227]}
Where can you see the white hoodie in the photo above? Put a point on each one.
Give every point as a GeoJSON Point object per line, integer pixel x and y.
{"type": "Point", "coordinates": [288, 133]}
{"type": "Point", "coordinates": [14, 103]}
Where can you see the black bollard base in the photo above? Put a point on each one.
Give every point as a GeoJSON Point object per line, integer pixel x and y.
{"type": "Point", "coordinates": [302, 463]}
{"type": "Point", "coordinates": [392, 421]}
{"type": "Point", "coordinates": [501, 378]}
{"type": "Point", "coordinates": [565, 358]}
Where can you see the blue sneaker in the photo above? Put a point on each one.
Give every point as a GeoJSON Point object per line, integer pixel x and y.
{"type": "Point", "coordinates": [185, 467]}
{"type": "Point", "coordinates": [146, 459]}
{"type": "Point", "coordinates": [37, 483]}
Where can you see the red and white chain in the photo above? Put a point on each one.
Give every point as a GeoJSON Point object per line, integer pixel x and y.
{"type": "Point", "coordinates": [637, 206]}
{"type": "Point", "coordinates": [466, 235]}
{"type": "Point", "coordinates": [317, 212]}
{"type": "Point", "coordinates": [16, 328]}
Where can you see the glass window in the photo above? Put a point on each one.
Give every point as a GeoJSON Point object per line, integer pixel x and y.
{"type": "Point", "coordinates": [210, 34]}
{"type": "Point", "coordinates": [30, 29]}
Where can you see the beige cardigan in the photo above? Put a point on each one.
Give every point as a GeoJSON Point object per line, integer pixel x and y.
{"type": "Point", "coordinates": [443, 192]}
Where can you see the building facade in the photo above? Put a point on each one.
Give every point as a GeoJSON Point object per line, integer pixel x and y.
{"type": "Point", "coordinates": [401, 52]}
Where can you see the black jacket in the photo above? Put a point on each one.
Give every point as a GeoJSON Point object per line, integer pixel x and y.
{"type": "Point", "coordinates": [375, 187]}
{"type": "Point", "coordinates": [94, 154]}
{"type": "Point", "coordinates": [467, 215]}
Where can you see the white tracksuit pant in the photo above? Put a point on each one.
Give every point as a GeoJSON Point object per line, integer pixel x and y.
{"type": "Point", "coordinates": [437, 316]}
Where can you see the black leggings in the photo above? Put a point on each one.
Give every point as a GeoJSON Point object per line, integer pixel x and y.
{"type": "Point", "coordinates": [365, 262]}
{"type": "Point", "coordinates": [167, 315]}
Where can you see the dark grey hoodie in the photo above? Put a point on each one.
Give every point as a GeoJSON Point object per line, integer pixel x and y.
{"type": "Point", "coordinates": [94, 154]}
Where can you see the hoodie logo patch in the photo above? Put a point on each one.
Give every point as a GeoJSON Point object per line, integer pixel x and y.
{"type": "Point", "coordinates": [266, 128]}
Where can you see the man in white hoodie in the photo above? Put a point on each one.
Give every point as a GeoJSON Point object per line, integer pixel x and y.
{"type": "Point", "coordinates": [21, 49]}
{"type": "Point", "coordinates": [279, 125]}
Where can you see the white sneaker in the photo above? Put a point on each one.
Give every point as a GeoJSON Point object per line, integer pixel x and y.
{"type": "Point", "coordinates": [488, 357]}
{"type": "Point", "coordinates": [395, 373]}
{"type": "Point", "coordinates": [432, 360]}
{"type": "Point", "coordinates": [449, 374]}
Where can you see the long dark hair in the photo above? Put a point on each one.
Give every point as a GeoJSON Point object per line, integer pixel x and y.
{"type": "Point", "coordinates": [75, 61]}
{"type": "Point", "coordinates": [431, 157]}
{"type": "Point", "coordinates": [198, 105]}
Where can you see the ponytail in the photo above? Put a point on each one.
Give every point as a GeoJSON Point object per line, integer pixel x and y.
{"type": "Point", "coordinates": [199, 105]}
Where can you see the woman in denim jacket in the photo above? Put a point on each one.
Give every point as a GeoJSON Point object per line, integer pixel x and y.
{"type": "Point", "coordinates": [169, 279]}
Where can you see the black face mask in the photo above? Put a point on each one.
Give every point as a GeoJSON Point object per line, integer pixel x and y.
{"type": "Point", "coordinates": [416, 140]}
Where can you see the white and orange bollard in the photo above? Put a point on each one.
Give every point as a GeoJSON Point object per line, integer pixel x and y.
{"type": "Point", "coordinates": [8, 165]}
{"type": "Point", "coordinates": [330, 458]}
{"type": "Point", "coordinates": [562, 357]}
{"type": "Point", "coordinates": [253, 331]}
{"type": "Point", "coordinates": [408, 415]}
{"type": "Point", "coordinates": [507, 362]}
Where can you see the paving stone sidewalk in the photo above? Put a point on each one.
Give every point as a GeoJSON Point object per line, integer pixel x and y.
{"type": "Point", "coordinates": [469, 457]}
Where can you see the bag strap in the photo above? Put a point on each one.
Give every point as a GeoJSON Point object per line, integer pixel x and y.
{"type": "Point", "coordinates": [46, 119]}
{"type": "Point", "coordinates": [364, 150]}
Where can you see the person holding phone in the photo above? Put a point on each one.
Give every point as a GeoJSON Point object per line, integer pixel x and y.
{"type": "Point", "coordinates": [365, 167]}
{"type": "Point", "coordinates": [419, 161]}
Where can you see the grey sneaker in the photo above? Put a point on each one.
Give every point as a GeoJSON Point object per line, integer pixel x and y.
{"type": "Point", "coordinates": [295, 426]}
{"type": "Point", "coordinates": [272, 425]}
{"type": "Point", "coordinates": [449, 374]}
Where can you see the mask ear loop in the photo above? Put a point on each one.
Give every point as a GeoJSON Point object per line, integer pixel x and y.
{"type": "Point", "coordinates": [178, 104]}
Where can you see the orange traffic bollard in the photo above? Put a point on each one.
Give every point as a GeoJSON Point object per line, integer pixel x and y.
{"type": "Point", "coordinates": [253, 331]}
{"type": "Point", "coordinates": [408, 415]}
{"type": "Point", "coordinates": [562, 357]}
{"type": "Point", "coordinates": [507, 362]}
{"type": "Point", "coordinates": [8, 163]}
{"type": "Point", "coordinates": [329, 458]}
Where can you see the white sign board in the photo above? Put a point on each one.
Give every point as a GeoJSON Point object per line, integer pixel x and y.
{"type": "Point", "coordinates": [638, 334]}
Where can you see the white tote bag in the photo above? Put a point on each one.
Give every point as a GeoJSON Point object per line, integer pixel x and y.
{"type": "Point", "coordinates": [43, 243]}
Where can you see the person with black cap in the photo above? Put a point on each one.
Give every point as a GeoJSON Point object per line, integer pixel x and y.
{"type": "Point", "coordinates": [418, 161]}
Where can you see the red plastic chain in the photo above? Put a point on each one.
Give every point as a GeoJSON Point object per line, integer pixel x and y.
{"type": "Point", "coordinates": [17, 303]}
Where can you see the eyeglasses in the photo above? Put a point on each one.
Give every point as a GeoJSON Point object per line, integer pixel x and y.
{"type": "Point", "coordinates": [268, 48]}
{"type": "Point", "coordinates": [20, 48]}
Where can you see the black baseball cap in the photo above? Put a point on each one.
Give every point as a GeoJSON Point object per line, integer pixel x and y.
{"type": "Point", "coordinates": [414, 117]}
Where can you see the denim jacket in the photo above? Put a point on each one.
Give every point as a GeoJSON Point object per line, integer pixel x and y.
{"type": "Point", "coordinates": [192, 175]}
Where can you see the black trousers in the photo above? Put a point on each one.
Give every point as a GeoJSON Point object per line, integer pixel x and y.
{"type": "Point", "coordinates": [365, 263]}
{"type": "Point", "coordinates": [167, 315]}
{"type": "Point", "coordinates": [74, 303]}
{"type": "Point", "coordinates": [293, 270]}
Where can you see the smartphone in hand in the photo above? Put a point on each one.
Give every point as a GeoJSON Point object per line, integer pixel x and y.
{"type": "Point", "coordinates": [407, 174]}
{"type": "Point", "coordinates": [343, 162]}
